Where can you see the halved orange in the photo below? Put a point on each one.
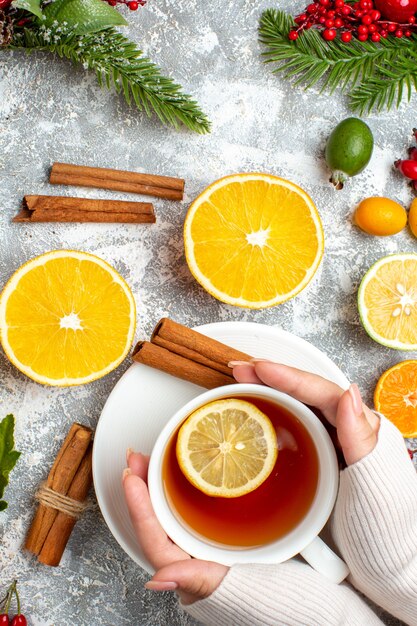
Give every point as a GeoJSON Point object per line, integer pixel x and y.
{"type": "Point", "coordinates": [253, 240]}
{"type": "Point", "coordinates": [227, 448]}
{"type": "Point", "coordinates": [66, 318]}
{"type": "Point", "coordinates": [396, 396]}
{"type": "Point", "coordinates": [387, 301]}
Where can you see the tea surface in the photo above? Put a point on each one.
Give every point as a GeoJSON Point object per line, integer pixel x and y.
{"type": "Point", "coordinates": [264, 515]}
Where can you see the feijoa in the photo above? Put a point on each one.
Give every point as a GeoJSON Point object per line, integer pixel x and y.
{"type": "Point", "coordinates": [348, 150]}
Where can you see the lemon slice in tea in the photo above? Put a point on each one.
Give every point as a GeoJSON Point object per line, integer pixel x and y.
{"type": "Point", "coordinates": [227, 448]}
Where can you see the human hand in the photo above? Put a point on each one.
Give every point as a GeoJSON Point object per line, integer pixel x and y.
{"type": "Point", "coordinates": [176, 571]}
{"type": "Point", "coordinates": [357, 426]}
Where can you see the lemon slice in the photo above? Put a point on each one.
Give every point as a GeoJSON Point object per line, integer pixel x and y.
{"type": "Point", "coordinates": [387, 301]}
{"type": "Point", "coordinates": [66, 318]}
{"type": "Point", "coordinates": [227, 448]}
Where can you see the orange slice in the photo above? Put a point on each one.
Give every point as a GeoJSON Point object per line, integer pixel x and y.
{"type": "Point", "coordinates": [387, 301]}
{"type": "Point", "coordinates": [396, 396]}
{"type": "Point", "coordinates": [227, 448]}
{"type": "Point", "coordinates": [66, 318]}
{"type": "Point", "coordinates": [253, 240]}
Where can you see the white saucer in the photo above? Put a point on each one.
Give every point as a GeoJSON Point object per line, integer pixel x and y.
{"type": "Point", "coordinates": [144, 399]}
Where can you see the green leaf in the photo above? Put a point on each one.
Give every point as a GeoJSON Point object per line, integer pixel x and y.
{"type": "Point", "coordinates": [83, 16]}
{"type": "Point", "coordinates": [8, 456]}
{"type": "Point", "coordinates": [120, 65]}
{"type": "Point", "coordinates": [33, 6]}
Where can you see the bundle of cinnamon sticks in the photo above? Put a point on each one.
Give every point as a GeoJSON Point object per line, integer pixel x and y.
{"type": "Point", "coordinates": [61, 497]}
{"type": "Point", "coordinates": [188, 354]}
{"type": "Point", "coordinates": [39, 208]}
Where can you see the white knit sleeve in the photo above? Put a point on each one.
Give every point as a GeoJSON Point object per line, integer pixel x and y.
{"type": "Point", "coordinates": [375, 525]}
{"type": "Point", "coordinates": [291, 593]}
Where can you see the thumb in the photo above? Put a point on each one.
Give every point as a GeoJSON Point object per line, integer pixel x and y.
{"type": "Point", "coordinates": [357, 433]}
{"type": "Point", "coordinates": [192, 579]}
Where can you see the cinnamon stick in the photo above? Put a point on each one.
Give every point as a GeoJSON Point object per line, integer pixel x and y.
{"type": "Point", "coordinates": [120, 180]}
{"type": "Point", "coordinates": [195, 346]}
{"type": "Point", "coordinates": [60, 531]}
{"type": "Point", "coordinates": [64, 209]}
{"type": "Point", "coordinates": [181, 367]}
{"type": "Point", "coordinates": [59, 479]}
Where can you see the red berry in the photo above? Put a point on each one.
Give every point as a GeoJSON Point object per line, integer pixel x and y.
{"type": "Point", "coordinates": [399, 33]}
{"type": "Point", "coordinates": [366, 19]}
{"type": "Point", "coordinates": [19, 620]}
{"type": "Point", "coordinates": [329, 23]}
{"type": "Point", "coordinates": [363, 37]}
{"type": "Point", "coordinates": [346, 36]}
{"type": "Point", "coordinates": [397, 10]}
{"type": "Point", "coordinates": [359, 14]}
{"type": "Point", "coordinates": [322, 20]}
{"type": "Point", "coordinates": [407, 167]}
{"type": "Point", "coordinates": [331, 14]}
{"type": "Point", "coordinates": [372, 28]}
{"type": "Point", "coordinates": [346, 10]}
{"type": "Point", "coordinates": [112, 3]}
{"type": "Point", "coordinates": [324, 3]}
{"type": "Point", "coordinates": [133, 6]}
{"type": "Point", "coordinates": [4, 620]}
{"type": "Point", "coordinates": [329, 34]}
{"type": "Point", "coordinates": [375, 15]}
{"type": "Point", "coordinates": [293, 35]}
{"type": "Point", "coordinates": [339, 4]}
{"type": "Point", "coordinates": [363, 30]}
{"type": "Point", "coordinates": [375, 37]}
{"type": "Point", "coordinates": [412, 20]}
{"type": "Point", "coordinates": [338, 22]}
{"type": "Point", "coordinates": [302, 17]}
{"type": "Point", "coordinates": [383, 33]}
{"type": "Point", "coordinates": [391, 28]}
{"type": "Point", "coordinates": [407, 33]}
{"type": "Point", "coordinates": [311, 8]}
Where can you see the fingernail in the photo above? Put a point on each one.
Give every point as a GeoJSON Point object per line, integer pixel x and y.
{"type": "Point", "coordinates": [260, 361]}
{"type": "Point", "coordinates": [126, 472]}
{"type": "Point", "coordinates": [128, 453]}
{"type": "Point", "coordinates": [161, 585]}
{"type": "Point", "coordinates": [234, 363]}
{"type": "Point", "coordinates": [356, 399]}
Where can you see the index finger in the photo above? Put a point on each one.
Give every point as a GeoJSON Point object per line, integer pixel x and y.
{"type": "Point", "coordinates": [303, 386]}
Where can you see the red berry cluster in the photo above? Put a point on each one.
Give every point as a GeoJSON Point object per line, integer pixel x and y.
{"type": "Point", "coordinates": [408, 167]}
{"type": "Point", "coordinates": [5, 604]}
{"type": "Point", "coordinates": [132, 4]}
{"type": "Point", "coordinates": [360, 19]}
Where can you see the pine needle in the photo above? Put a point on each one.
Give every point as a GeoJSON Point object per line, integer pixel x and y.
{"type": "Point", "coordinates": [120, 65]}
{"type": "Point", "coordinates": [376, 76]}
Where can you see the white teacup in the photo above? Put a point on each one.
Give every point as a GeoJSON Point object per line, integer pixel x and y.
{"type": "Point", "coordinates": [303, 539]}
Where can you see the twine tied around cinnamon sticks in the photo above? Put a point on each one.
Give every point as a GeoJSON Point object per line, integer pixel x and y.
{"type": "Point", "coordinates": [58, 501]}
{"type": "Point", "coordinates": [62, 497]}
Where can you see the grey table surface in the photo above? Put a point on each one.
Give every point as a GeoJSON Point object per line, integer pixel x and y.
{"type": "Point", "coordinates": [50, 111]}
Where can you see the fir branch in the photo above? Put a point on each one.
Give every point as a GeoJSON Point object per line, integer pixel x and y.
{"type": "Point", "coordinates": [119, 64]}
{"type": "Point", "coordinates": [375, 75]}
